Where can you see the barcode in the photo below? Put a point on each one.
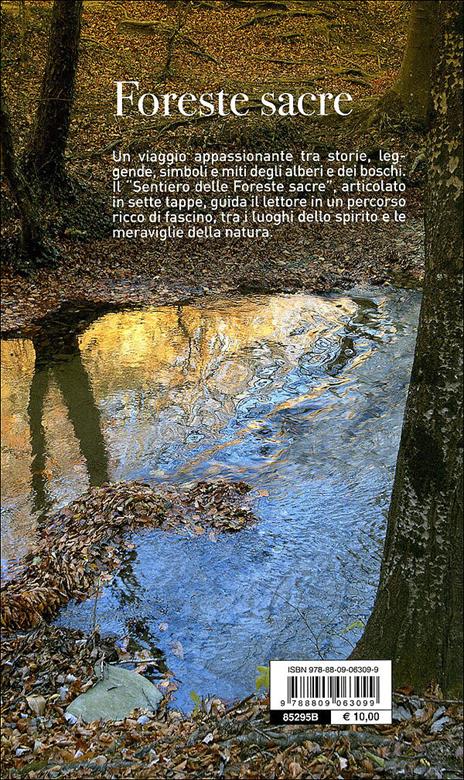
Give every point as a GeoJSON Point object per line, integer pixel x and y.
{"type": "Point", "coordinates": [330, 692]}
{"type": "Point", "coordinates": [333, 687]}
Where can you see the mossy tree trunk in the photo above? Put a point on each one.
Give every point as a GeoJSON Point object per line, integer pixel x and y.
{"type": "Point", "coordinates": [417, 616]}
{"type": "Point", "coordinates": [45, 156]}
{"type": "Point", "coordinates": [411, 93]}
{"type": "Point", "coordinates": [31, 233]}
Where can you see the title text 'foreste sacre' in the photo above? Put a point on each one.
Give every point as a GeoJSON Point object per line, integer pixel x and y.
{"type": "Point", "coordinates": [129, 98]}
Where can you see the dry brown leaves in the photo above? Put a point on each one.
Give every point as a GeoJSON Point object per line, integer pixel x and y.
{"type": "Point", "coordinates": [368, 35]}
{"type": "Point", "coordinates": [82, 541]}
{"type": "Point", "coordinates": [217, 742]}
{"type": "Point", "coordinates": [321, 47]}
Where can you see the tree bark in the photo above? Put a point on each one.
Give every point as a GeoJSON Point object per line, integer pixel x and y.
{"type": "Point", "coordinates": [45, 156]}
{"type": "Point", "coordinates": [31, 233]}
{"type": "Point", "coordinates": [411, 93]}
{"type": "Point", "coordinates": [417, 615]}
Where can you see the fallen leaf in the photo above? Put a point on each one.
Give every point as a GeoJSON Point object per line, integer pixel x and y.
{"type": "Point", "coordinates": [37, 704]}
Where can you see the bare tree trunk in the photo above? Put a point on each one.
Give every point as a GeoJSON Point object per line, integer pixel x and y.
{"type": "Point", "coordinates": [411, 93]}
{"type": "Point", "coordinates": [31, 233]}
{"type": "Point", "coordinates": [417, 616]}
{"type": "Point", "coordinates": [45, 155]}
{"type": "Point", "coordinates": [414, 82]}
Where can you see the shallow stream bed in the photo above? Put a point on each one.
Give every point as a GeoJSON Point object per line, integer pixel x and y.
{"type": "Point", "coordinates": [300, 396]}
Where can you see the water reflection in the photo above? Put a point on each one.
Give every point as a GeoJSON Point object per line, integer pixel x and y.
{"type": "Point", "coordinates": [302, 397]}
{"type": "Point", "coordinates": [117, 398]}
{"type": "Point", "coordinates": [68, 372]}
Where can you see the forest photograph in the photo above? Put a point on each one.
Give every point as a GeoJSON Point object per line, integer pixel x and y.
{"type": "Point", "coordinates": [231, 389]}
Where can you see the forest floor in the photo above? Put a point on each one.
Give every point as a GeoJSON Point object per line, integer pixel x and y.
{"type": "Point", "coordinates": [221, 48]}
{"type": "Point", "coordinates": [45, 669]}
{"type": "Point", "coordinates": [336, 44]}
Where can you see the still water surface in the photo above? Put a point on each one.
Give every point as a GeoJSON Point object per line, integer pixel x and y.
{"type": "Point", "coordinates": [300, 396]}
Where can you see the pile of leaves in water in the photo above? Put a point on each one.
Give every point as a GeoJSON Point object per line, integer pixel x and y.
{"type": "Point", "coordinates": [82, 542]}
{"type": "Point", "coordinates": [45, 668]}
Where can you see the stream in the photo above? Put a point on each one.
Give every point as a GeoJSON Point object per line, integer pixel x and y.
{"type": "Point", "coordinates": [300, 396]}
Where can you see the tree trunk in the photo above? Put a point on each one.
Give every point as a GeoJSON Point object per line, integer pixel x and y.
{"type": "Point", "coordinates": [31, 233]}
{"type": "Point", "coordinates": [417, 616]}
{"type": "Point", "coordinates": [45, 156]}
{"type": "Point", "coordinates": [411, 93]}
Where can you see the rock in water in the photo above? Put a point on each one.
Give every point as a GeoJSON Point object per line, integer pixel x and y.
{"type": "Point", "coordinates": [115, 696]}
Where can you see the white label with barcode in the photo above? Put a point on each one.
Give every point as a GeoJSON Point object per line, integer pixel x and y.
{"type": "Point", "coordinates": [331, 692]}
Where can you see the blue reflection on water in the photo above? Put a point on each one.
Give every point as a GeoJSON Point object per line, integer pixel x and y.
{"type": "Point", "coordinates": [318, 443]}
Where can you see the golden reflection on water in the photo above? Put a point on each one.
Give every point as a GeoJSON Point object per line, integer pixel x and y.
{"type": "Point", "coordinates": [174, 368]}
{"type": "Point", "coordinates": [18, 359]}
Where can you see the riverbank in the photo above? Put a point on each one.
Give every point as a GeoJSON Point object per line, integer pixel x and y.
{"type": "Point", "coordinates": [49, 667]}
{"type": "Point", "coordinates": [107, 272]}
{"type": "Point", "coordinates": [46, 668]}
{"type": "Point", "coordinates": [236, 46]}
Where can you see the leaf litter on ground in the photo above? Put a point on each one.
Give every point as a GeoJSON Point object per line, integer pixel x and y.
{"type": "Point", "coordinates": [45, 667]}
